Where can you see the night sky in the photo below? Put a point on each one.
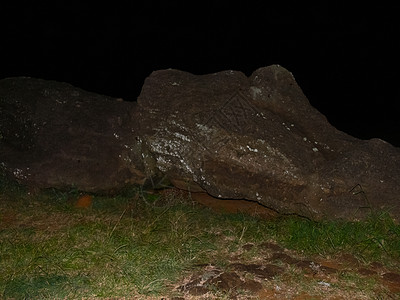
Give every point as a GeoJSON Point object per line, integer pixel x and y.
{"type": "Point", "coordinates": [345, 59]}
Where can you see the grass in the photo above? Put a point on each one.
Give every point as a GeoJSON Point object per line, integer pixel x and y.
{"type": "Point", "coordinates": [129, 245]}
{"type": "Point", "coordinates": [377, 238]}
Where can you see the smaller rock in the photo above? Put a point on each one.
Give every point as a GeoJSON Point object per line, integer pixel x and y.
{"type": "Point", "coordinates": [54, 135]}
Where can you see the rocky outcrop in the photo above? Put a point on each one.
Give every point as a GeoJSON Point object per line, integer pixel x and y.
{"type": "Point", "coordinates": [55, 135]}
{"type": "Point", "coordinates": [259, 139]}
{"type": "Point", "coordinates": [231, 136]}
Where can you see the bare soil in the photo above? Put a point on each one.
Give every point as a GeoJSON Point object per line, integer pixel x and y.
{"type": "Point", "coordinates": [278, 273]}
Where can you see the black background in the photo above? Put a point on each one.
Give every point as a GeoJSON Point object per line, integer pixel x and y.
{"type": "Point", "coordinates": [344, 58]}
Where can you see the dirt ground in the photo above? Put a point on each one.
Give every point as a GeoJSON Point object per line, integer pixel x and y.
{"type": "Point", "coordinates": [278, 273]}
{"type": "Point", "coordinates": [275, 276]}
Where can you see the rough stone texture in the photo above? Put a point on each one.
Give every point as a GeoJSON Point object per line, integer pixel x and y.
{"type": "Point", "coordinates": [55, 135]}
{"type": "Point", "coordinates": [258, 138]}
{"type": "Point", "coordinates": [234, 137]}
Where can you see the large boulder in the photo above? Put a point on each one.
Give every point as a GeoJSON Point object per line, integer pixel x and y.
{"type": "Point", "coordinates": [55, 135]}
{"type": "Point", "coordinates": [223, 134]}
{"type": "Point", "coordinates": [259, 139]}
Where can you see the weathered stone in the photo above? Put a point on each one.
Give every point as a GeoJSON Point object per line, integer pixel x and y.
{"type": "Point", "coordinates": [234, 137]}
{"type": "Point", "coordinates": [55, 135]}
{"type": "Point", "coordinates": [259, 139]}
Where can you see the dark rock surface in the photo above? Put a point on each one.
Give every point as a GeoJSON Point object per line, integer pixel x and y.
{"type": "Point", "coordinates": [259, 139]}
{"type": "Point", "coordinates": [234, 137]}
{"type": "Point", "coordinates": [56, 135]}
